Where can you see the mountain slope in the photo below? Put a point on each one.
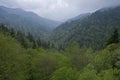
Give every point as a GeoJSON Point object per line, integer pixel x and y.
{"type": "Point", "coordinates": [79, 17]}
{"type": "Point", "coordinates": [28, 21]}
{"type": "Point", "coordinates": [93, 31]}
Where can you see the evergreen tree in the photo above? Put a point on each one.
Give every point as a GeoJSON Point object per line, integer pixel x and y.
{"type": "Point", "coordinates": [12, 32]}
{"type": "Point", "coordinates": [30, 37]}
{"type": "Point", "coordinates": [114, 37]}
{"type": "Point", "coordinates": [32, 40]}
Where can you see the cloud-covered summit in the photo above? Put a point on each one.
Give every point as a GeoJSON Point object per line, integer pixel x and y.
{"type": "Point", "coordinates": [59, 9]}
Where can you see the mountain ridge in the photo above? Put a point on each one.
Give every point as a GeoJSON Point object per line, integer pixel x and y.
{"type": "Point", "coordinates": [21, 12]}
{"type": "Point", "coordinates": [26, 21]}
{"type": "Point", "coordinates": [92, 31]}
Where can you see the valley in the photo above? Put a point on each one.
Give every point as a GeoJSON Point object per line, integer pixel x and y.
{"type": "Point", "coordinates": [86, 47]}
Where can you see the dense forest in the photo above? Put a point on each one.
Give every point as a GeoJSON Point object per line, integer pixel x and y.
{"type": "Point", "coordinates": [27, 21]}
{"type": "Point", "coordinates": [24, 58]}
{"type": "Point", "coordinates": [92, 31]}
{"type": "Point", "coordinates": [86, 47]}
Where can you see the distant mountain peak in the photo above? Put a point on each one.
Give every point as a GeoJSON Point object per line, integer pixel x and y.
{"type": "Point", "coordinates": [79, 17]}
{"type": "Point", "coordinates": [31, 22]}
{"type": "Point", "coordinates": [92, 31]}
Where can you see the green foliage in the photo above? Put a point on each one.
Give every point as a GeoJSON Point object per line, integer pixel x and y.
{"type": "Point", "coordinates": [108, 75]}
{"type": "Point", "coordinates": [114, 37]}
{"type": "Point", "coordinates": [12, 60]}
{"type": "Point", "coordinates": [26, 40]}
{"type": "Point", "coordinates": [43, 66]}
{"type": "Point", "coordinates": [22, 58]}
{"type": "Point", "coordinates": [64, 73]}
{"type": "Point", "coordinates": [93, 31]}
{"type": "Point", "coordinates": [89, 75]}
{"type": "Point", "coordinates": [79, 57]}
{"type": "Point", "coordinates": [103, 60]}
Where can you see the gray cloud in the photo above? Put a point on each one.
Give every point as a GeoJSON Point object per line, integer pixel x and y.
{"type": "Point", "coordinates": [59, 9]}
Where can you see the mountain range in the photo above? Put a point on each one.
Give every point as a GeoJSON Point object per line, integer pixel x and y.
{"type": "Point", "coordinates": [92, 31]}
{"type": "Point", "coordinates": [28, 21]}
{"type": "Point", "coordinates": [79, 17]}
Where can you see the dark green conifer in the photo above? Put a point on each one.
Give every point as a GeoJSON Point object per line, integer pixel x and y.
{"type": "Point", "coordinates": [114, 38]}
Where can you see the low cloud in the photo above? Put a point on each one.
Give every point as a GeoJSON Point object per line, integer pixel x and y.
{"type": "Point", "coordinates": [59, 9]}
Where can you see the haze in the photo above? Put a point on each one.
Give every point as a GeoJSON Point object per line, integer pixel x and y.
{"type": "Point", "coordinates": [59, 10]}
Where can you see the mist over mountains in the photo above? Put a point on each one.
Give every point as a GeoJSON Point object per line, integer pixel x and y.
{"type": "Point", "coordinates": [89, 29]}
{"type": "Point", "coordinates": [29, 21]}
{"type": "Point", "coordinates": [85, 47]}
{"type": "Point", "coordinates": [92, 31]}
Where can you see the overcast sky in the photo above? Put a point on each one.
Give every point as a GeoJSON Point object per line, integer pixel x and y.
{"type": "Point", "coordinates": [59, 9]}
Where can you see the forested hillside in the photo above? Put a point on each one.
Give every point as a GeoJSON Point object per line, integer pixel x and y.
{"type": "Point", "coordinates": [21, 60]}
{"type": "Point", "coordinates": [93, 31]}
{"type": "Point", "coordinates": [86, 47]}
{"type": "Point", "coordinates": [26, 21]}
{"type": "Point", "coordinates": [79, 17]}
